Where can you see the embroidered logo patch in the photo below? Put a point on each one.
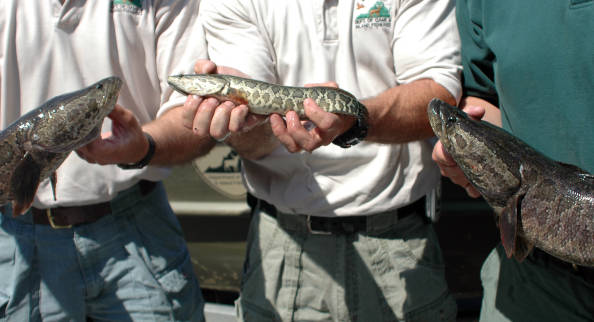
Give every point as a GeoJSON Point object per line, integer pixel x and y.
{"type": "Point", "coordinates": [375, 16]}
{"type": "Point", "coordinates": [132, 6]}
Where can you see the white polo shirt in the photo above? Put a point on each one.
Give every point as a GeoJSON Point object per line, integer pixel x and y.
{"type": "Point", "coordinates": [367, 47]}
{"type": "Point", "coordinates": [47, 49]}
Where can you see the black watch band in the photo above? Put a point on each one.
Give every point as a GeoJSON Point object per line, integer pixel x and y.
{"type": "Point", "coordinates": [356, 133]}
{"type": "Point", "coordinates": [147, 158]}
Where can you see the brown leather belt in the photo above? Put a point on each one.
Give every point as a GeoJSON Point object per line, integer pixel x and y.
{"type": "Point", "coordinates": [68, 217]}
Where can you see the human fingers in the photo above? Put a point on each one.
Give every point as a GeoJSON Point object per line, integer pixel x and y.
{"type": "Point", "coordinates": [474, 111]}
{"type": "Point", "coordinates": [328, 125]}
{"type": "Point", "coordinates": [326, 84]}
{"type": "Point", "coordinates": [279, 129]}
{"type": "Point", "coordinates": [238, 118]}
{"type": "Point", "coordinates": [204, 115]}
{"type": "Point", "coordinates": [219, 127]}
{"type": "Point", "coordinates": [190, 108]}
{"type": "Point", "coordinates": [450, 169]}
{"type": "Point", "coordinates": [205, 66]}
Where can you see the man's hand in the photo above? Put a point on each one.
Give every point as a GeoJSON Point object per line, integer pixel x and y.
{"type": "Point", "coordinates": [446, 163]}
{"type": "Point", "coordinates": [125, 143]}
{"type": "Point", "coordinates": [293, 133]}
{"type": "Point", "coordinates": [219, 119]}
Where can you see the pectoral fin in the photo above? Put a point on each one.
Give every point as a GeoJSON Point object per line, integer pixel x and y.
{"type": "Point", "coordinates": [24, 184]}
{"type": "Point", "coordinates": [523, 248]}
{"type": "Point", "coordinates": [54, 180]}
{"type": "Point", "coordinates": [508, 226]}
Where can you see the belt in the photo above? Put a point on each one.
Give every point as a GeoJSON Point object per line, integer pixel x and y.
{"type": "Point", "coordinates": [586, 273]}
{"type": "Point", "coordinates": [337, 225]}
{"type": "Point", "coordinates": [68, 217]}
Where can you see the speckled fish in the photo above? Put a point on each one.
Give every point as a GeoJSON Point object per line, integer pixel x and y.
{"type": "Point", "coordinates": [540, 203]}
{"type": "Point", "coordinates": [35, 145]}
{"type": "Point", "coordinates": [265, 98]}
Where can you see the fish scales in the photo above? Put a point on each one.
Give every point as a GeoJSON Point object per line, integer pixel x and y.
{"type": "Point", "coordinates": [539, 202]}
{"type": "Point", "coordinates": [265, 98]}
{"type": "Point", "coordinates": [36, 144]}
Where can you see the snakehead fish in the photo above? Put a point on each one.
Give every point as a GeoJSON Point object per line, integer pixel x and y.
{"type": "Point", "coordinates": [265, 98]}
{"type": "Point", "coordinates": [539, 202]}
{"type": "Point", "coordinates": [36, 144]}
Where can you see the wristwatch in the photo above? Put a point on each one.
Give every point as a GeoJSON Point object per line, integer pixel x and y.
{"type": "Point", "coordinates": [356, 133]}
{"type": "Point", "coordinates": [147, 158]}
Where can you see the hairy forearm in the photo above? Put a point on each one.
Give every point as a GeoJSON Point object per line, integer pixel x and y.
{"type": "Point", "coordinates": [399, 114]}
{"type": "Point", "coordinates": [176, 144]}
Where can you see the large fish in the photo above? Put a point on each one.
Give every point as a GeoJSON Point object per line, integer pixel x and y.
{"type": "Point", "coordinates": [35, 145]}
{"type": "Point", "coordinates": [540, 203]}
{"type": "Point", "coordinates": [265, 98]}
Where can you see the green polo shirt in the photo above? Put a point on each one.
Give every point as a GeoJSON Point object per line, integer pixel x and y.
{"type": "Point", "coordinates": [535, 60]}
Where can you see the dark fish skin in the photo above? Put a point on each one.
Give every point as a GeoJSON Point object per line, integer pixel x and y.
{"type": "Point", "coordinates": [36, 144]}
{"type": "Point", "coordinates": [540, 203]}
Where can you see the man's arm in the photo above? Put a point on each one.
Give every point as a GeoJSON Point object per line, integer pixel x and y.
{"type": "Point", "coordinates": [127, 144]}
{"type": "Point", "coordinates": [478, 109]}
{"type": "Point", "coordinates": [397, 115]}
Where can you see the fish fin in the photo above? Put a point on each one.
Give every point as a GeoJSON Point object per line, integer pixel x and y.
{"type": "Point", "coordinates": [54, 180]}
{"type": "Point", "coordinates": [522, 249]}
{"type": "Point", "coordinates": [24, 184]}
{"type": "Point", "coordinates": [508, 226]}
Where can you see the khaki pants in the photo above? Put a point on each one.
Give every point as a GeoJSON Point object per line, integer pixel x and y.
{"type": "Point", "coordinates": [392, 273]}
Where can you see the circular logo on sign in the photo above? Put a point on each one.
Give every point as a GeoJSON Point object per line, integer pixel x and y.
{"type": "Point", "coordinates": [221, 170]}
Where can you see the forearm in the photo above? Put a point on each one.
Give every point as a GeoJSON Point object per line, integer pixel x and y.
{"type": "Point", "coordinates": [399, 114]}
{"type": "Point", "coordinates": [176, 144]}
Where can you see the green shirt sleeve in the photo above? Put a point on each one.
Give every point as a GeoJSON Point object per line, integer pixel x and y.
{"type": "Point", "coordinates": [477, 58]}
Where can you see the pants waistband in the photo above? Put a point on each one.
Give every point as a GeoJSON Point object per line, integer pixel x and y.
{"type": "Point", "coordinates": [338, 225]}
{"type": "Point", "coordinates": [68, 217]}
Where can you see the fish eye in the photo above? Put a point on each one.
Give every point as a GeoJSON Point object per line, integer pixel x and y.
{"type": "Point", "coordinates": [99, 86]}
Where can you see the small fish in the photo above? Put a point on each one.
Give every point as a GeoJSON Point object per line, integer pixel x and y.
{"type": "Point", "coordinates": [539, 202]}
{"type": "Point", "coordinates": [36, 144]}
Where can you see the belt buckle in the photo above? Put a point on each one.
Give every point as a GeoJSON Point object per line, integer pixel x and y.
{"type": "Point", "coordinates": [48, 212]}
{"type": "Point", "coordinates": [313, 231]}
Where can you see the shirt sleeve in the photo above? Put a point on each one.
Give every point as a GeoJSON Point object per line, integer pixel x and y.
{"type": "Point", "coordinates": [233, 24]}
{"type": "Point", "coordinates": [477, 58]}
{"type": "Point", "coordinates": [179, 43]}
{"type": "Point", "coordinates": [426, 43]}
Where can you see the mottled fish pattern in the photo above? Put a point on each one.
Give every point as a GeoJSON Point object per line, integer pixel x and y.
{"type": "Point", "coordinates": [265, 98]}
{"type": "Point", "coordinates": [36, 144]}
{"type": "Point", "coordinates": [539, 202]}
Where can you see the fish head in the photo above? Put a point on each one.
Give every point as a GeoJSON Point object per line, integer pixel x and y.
{"type": "Point", "coordinates": [481, 150]}
{"type": "Point", "coordinates": [199, 84]}
{"type": "Point", "coordinates": [72, 120]}
{"type": "Point", "coordinates": [107, 90]}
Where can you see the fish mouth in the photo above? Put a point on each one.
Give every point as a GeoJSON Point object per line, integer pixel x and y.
{"type": "Point", "coordinates": [173, 81]}
{"type": "Point", "coordinates": [436, 116]}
